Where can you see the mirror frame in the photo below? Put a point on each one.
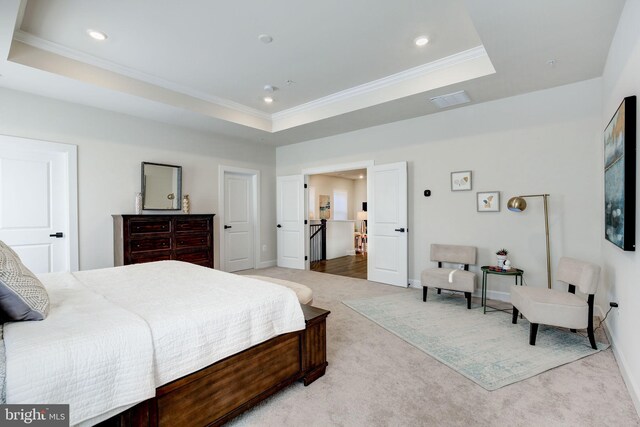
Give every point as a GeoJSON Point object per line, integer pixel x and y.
{"type": "Point", "coordinates": [144, 187]}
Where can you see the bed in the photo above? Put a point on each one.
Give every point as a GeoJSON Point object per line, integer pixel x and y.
{"type": "Point", "coordinates": [162, 343]}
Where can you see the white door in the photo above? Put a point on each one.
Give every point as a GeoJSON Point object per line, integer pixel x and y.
{"type": "Point", "coordinates": [238, 222]}
{"type": "Point", "coordinates": [387, 224]}
{"type": "Point", "coordinates": [290, 217]}
{"type": "Point", "coordinates": [35, 203]}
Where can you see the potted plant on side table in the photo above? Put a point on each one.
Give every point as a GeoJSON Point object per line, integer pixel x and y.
{"type": "Point", "coordinates": [502, 257]}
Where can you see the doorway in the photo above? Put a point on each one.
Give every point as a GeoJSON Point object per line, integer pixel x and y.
{"type": "Point", "coordinates": [239, 213]}
{"type": "Point", "coordinates": [387, 219]}
{"type": "Point", "coordinates": [39, 203]}
{"type": "Point", "coordinates": [337, 212]}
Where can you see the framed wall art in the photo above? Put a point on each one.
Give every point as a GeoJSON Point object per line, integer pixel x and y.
{"type": "Point", "coordinates": [325, 206]}
{"type": "Point", "coordinates": [461, 181]}
{"type": "Point", "coordinates": [488, 201]}
{"type": "Point", "coordinates": [620, 176]}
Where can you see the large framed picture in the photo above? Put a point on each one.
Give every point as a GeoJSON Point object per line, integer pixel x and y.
{"type": "Point", "coordinates": [461, 181]}
{"type": "Point", "coordinates": [620, 176]}
{"type": "Point", "coordinates": [488, 201]}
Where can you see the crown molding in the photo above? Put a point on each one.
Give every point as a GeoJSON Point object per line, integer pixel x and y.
{"type": "Point", "coordinates": [385, 82]}
{"type": "Point", "coordinates": [401, 84]}
{"type": "Point", "coordinates": [74, 54]}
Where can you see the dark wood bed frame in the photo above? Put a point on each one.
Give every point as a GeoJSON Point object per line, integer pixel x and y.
{"type": "Point", "coordinates": [215, 394]}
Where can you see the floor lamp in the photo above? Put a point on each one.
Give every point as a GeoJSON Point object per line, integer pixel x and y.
{"type": "Point", "coordinates": [518, 204]}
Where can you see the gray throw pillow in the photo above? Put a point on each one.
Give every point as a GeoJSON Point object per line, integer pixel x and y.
{"type": "Point", "coordinates": [22, 295]}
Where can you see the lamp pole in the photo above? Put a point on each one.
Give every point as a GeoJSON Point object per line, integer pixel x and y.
{"type": "Point", "coordinates": [546, 231]}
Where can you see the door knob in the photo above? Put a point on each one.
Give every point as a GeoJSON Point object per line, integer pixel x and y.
{"type": "Point", "coordinates": [279, 226]}
{"type": "Point", "coordinates": [400, 229]}
{"type": "Point", "coordinates": [227, 226]}
{"type": "Point", "coordinates": [58, 235]}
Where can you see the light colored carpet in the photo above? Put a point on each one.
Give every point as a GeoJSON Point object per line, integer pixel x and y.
{"type": "Point", "coordinates": [486, 348]}
{"type": "Point", "coordinates": [375, 378]}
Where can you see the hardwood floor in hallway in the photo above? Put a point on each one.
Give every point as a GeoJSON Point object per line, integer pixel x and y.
{"type": "Point", "coordinates": [350, 266]}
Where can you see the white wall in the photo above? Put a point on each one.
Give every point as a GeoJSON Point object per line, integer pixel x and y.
{"type": "Point", "coordinates": [111, 147]}
{"type": "Point", "coordinates": [359, 195]}
{"type": "Point", "coordinates": [622, 269]}
{"type": "Point", "coordinates": [325, 186]}
{"type": "Point", "coordinates": [340, 239]}
{"type": "Point", "coordinates": [547, 141]}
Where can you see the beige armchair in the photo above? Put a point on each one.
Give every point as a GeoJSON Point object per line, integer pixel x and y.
{"type": "Point", "coordinates": [448, 278]}
{"type": "Point", "coordinates": [559, 308]}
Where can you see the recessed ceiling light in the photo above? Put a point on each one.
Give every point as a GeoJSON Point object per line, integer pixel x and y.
{"type": "Point", "coordinates": [265, 38]}
{"type": "Point", "coordinates": [268, 99]}
{"type": "Point", "coordinates": [421, 40]}
{"type": "Point", "coordinates": [97, 35]}
{"type": "Point", "coordinates": [269, 88]}
{"type": "Point", "coordinates": [361, 176]}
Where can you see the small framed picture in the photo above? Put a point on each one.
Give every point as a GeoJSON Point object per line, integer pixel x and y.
{"type": "Point", "coordinates": [461, 181]}
{"type": "Point", "coordinates": [488, 201]}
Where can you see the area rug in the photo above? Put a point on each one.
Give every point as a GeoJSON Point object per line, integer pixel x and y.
{"type": "Point", "coordinates": [486, 348]}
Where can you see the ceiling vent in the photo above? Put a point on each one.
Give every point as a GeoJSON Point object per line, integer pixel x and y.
{"type": "Point", "coordinates": [451, 99]}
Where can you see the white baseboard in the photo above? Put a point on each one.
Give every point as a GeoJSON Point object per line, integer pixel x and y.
{"type": "Point", "coordinates": [632, 386]}
{"type": "Point", "coordinates": [415, 283]}
{"type": "Point", "coordinates": [267, 264]}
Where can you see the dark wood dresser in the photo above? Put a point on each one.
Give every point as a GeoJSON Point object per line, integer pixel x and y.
{"type": "Point", "coordinates": [146, 238]}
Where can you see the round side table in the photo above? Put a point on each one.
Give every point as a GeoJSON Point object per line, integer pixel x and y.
{"type": "Point", "coordinates": [486, 270]}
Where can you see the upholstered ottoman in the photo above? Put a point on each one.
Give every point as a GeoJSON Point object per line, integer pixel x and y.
{"type": "Point", "coordinates": [305, 295]}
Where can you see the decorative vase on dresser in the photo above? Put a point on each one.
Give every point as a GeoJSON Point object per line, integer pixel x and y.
{"type": "Point", "coordinates": [147, 238]}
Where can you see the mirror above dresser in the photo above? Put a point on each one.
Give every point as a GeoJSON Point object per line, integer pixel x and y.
{"type": "Point", "coordinates": [161, 186]}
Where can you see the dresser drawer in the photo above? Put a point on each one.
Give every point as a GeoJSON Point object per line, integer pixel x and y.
{"type": "Point", "coordinates": [191, 240]}
{"type": "Point", "coordinates": [145, 245]}
{"type": "Point", "coordinates": [192, 224]}
{"type": "Point", "coordinates": [140, 257]}
{"type": "Point", "coordinates": [200, 257]}
{"type": "Point", "coordinates": [160, 225]}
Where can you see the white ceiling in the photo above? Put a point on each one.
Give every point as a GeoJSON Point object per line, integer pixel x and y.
{"type": "Point", "coordinates": [353, 64]}
{"type": "Point", "coordinates": [355, 174]}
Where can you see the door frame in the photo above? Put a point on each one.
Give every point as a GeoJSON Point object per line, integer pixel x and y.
{"type": "Point", "coordinates": [255, 185]}
{"type": "Point", "coordinates": [70, 153]}
{"type": "Point", "coordinates": [364, 164]}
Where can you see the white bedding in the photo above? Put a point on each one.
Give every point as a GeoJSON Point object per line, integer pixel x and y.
{"type": "Point", "coordinates": [114, 335]}
{"type": "Point", "coordinates": [197, 315]}
{"type": "Point", "coordinates": [88, 353]}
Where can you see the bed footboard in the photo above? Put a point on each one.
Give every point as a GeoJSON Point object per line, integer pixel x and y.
{"type": "Point", "coordinates": [225, 389]}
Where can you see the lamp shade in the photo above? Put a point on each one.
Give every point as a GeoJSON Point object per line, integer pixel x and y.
{"type": "Point", "coordinates": [517, 204]}
{"type": "Point", "coordinates": [361, 216]}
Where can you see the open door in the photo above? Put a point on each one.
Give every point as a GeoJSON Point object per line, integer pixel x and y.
{"type": "Point", "coordinates": [387, 224]}
{"type": "Point", "coordinates": [290, 217]}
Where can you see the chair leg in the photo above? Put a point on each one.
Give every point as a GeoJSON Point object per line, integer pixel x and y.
{"type": "Point", "coordinates": [439, 291]}
{"type": "Point", "coordinates": [514, 318]}
{"type": "Point", "coordinates": [590, 332]}
{"type": "Point", "coordinates": [532, 333]}
{"type": "Point", "coordinates": [592, 337]}
{"type": "Point", "coordinates": [424, 293]}
{"type": "Point", "coordinates": [468, 296]}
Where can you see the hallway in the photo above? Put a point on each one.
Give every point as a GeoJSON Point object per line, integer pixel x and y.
{"type": "Point", "coordinates": [349, 266]}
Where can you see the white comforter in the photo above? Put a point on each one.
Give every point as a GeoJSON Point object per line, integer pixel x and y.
{"type": "Point", "coordinates": [114, 335]}
{"type": "Point", "coordinates": [197, 315]}
{"type": "Point", "coordinates": [88, 353]}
